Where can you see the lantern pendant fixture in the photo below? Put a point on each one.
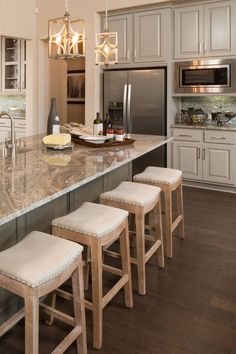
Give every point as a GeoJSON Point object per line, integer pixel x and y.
{"type": "Point", "coordinates": [65, 41]}
{"type": "Point", "coordinates": [106, 48]}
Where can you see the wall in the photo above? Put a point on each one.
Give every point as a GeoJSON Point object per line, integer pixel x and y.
{"type": "Point", "coordinates": [48, 83]}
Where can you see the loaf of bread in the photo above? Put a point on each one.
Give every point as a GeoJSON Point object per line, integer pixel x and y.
{"type": "Point", "coordinates": [57, 139]}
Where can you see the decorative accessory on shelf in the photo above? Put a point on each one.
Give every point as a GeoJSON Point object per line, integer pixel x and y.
{"type": "Point", "coordinates": [106, 48]}
{"type": "Point", "coordinates": [64, 41]}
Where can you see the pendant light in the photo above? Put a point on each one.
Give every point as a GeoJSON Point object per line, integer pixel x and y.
{"type": "Point", "coordinates": [106, 48]}
{"type": "Point", "coordinates": [66, 37]}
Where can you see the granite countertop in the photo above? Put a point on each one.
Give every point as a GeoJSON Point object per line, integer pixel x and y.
{"type": "Point", "coordinates": [36, 176]}
{"type": "Point", "coordinates": [208, 126]}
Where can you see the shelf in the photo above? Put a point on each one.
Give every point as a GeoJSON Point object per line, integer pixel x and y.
{"type": "Point", "coordinates": [11, 78]}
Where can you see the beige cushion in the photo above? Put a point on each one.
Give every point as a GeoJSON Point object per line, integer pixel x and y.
{"type": "Point", "coordinates": [92, 219]}
{"type": "Point", "coordinates": [133, 193]}
{"type": "Point", "coordinates": [159, 175]}
{"type": "Point", "coordinates": [38, 258]}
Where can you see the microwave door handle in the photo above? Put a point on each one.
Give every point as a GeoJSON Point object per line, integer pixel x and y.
{"type": "Point", "coordinates": [125, 106]}
{"type": "Point", "coordinates": [129, 123]}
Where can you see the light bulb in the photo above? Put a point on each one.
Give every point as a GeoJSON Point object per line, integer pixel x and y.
{"type": "Point", "coordinates": [106, 49]}
{"type": "Point", "coordinates": [58, 39]}
{"type": "Point", "coordinates": [75, 38]}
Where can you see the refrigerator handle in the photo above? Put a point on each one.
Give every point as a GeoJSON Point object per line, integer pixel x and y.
{"type": "Point", "coordinates": [129, 125]}
{"type": "Point", "coordinates": [125, 107]}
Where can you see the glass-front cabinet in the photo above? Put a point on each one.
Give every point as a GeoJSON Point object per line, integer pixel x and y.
{"type": "Point", "coordinates": [13, 65]}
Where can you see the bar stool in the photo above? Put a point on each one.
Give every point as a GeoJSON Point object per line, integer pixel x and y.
{"type": "Point", "coordinates": [33, 268]}
{"type": "Point", "coordinates": [139, 200]}
{"type": "Point", "coordinates": [96, 226]}
{"type": "Point", "coordinates": [169, 180]}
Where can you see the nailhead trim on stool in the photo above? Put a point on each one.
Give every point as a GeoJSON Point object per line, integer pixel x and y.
{"type": "Point", "coordinates": [169, 180]}
{"type": "Point", "coordinates": [35, 267]}
{"type": "Point", "coordinates": [139, 199]}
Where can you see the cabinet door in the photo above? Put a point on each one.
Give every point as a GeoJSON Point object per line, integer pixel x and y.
{"type": "Point", "coordinates": [188, 32]}
{"type": "Point", "coordinates": [219, 163]}
{"type": "Point", "coordinates": [23, 66]}
{"type": "Point", "coordinates": [4, 134]}
{"type": "Point", "coordinates": [219, 29]}
{"type": "Point", "coordinates": [10, 65]}
{"type": "Point", "coordinates": [187, 158]}
{"type": "Point", "coordinates": [148, 36]}
{"type": "Point", "coordinates": [123, 25]}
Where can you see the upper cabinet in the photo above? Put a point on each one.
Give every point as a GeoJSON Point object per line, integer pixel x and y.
{"type": "Point", "coordinates": [122, 24]}
{"type": "Point", "coordinates": [205, 31]}
{"type": "Point", "coordinates": [141, 36]}
{"type": "Point", "coordinates": [13, 65]}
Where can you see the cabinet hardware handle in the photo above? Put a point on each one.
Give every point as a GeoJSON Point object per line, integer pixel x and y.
{"type": "Point", "coordinates": [205, 47]}
{"type": "Point", "coordinates": [128, 54]}
{"type": "Point", "coordinates": [203, 154]}
{"type": "Point", "coordinates": [22, 124]}
{"type": "Point", "coordinates": [135, 53]}
{"type": "Point", "coordinates": [185, 135]}
{"type": "Point", "coordinates": [216, 138]}
{"type": "Point", "coordinates": [198, 153]}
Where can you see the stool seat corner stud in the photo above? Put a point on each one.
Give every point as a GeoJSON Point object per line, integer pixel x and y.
{"type": "Point", "coordinates": [20, 263]}
{"type": "Point", "coordinates": [97, 226]}
{"type": "Point", "coordinates": [139, 200]}
{"type": "Point", "coordinates": [170, 181]}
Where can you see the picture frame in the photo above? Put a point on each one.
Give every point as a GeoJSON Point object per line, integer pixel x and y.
{"type": "Point", "coordinates": [76, 86]}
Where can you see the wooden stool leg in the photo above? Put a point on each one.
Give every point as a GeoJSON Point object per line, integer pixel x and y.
{"type": "Point", "coordinates": [126, 267]}
{"type": "Point", "coordinates": [52, 301]}
{"type": "Point", "coordinates": [96, 267]}
{"type": "Point", "coordinates": [31, 325]}
{"type": "Point", "coordinates": [79, 307]}
{"type": "Point", "coordinates": [140, 245]}
{"type": "Point", "coordinates": [168, 222]}
{"type": "Point", "coordinates": [180, 208]}
{"type": "Point", "coordinates": [158, 234]}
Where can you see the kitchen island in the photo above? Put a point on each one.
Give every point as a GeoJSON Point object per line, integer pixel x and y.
{"type": "Point", "coordinates": [38, 185]}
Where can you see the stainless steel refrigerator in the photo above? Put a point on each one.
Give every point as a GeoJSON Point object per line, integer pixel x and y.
{"type": "Point", "coordinates": [136, 99]}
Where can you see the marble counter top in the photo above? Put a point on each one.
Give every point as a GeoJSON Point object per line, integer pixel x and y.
{"type": "Point", "coordinates": [35, 177]}
{"type": "Point", "coordinates": [209, 126]}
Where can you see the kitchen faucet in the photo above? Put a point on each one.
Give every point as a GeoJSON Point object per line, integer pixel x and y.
{"type": "Point", "coordinates": [11, 142]}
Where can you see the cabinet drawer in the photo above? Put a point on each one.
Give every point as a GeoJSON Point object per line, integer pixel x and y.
{"type": "Point", "coordinates": [19, 123]}
{"type": "Point", "coordinates": [4, 122]}
{"type": "Point", "coordinates": [187, 134]}
{"type": "Point", "coordinates": [220, 137]}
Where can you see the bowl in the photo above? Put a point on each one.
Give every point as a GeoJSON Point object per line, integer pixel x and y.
{"type": "Point", "coordinates": [95, 139]}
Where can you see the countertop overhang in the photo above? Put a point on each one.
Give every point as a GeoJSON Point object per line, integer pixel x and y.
{"type": "Point", "coordinates": [35, 177]}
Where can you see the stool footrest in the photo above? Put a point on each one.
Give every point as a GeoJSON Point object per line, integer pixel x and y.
{"type": "Point", "coordinates": [152, 250]}
{"type": "Point", "coordinates": [68, 340]}
{"type": "Point", "coordinates": [176, 222]}
{"type": "Point", "coordinates": [58, 314]}
{"type": "Point", "coordinates": [112, 270]}
{"type": "Point", "coordinates": [111, 293]}
{"type": "Point", "coordinates": [11, 322]}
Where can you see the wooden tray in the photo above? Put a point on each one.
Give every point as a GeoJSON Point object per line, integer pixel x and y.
{"type": "Point", "coordinates": [106, 144]}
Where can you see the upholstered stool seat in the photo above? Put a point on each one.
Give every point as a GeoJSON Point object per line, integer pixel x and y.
{"type": "Point", "coordinates": [159, 175]}
{"type": "Point", "coordinates": [33, 268]}
{"type": "Point", "coordinates": [96, 226]}
{"type": "Point", "coordinates": [169, 180]}
{"type": "Point", "coordinates": [139, 200]}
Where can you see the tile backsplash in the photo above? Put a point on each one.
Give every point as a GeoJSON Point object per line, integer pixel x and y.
{"type": "Point", "coordinates": [8, 101]}
{"type": "Point", "coordinates": [208, 104]}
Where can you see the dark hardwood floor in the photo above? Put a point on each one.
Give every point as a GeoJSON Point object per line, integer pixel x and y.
{"type": "Point", "coordinates": [190, 306]}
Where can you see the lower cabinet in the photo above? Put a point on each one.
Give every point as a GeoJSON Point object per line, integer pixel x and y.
{"type": "Point", "coordinates": [207, 162]}
{"type": "Point", "coordinates": [186, 157]}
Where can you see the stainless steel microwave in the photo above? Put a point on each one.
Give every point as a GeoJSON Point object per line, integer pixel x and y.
{"type": "Point", "coordinates": [205, 76]}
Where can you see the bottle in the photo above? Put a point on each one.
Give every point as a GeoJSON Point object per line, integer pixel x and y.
{"type": "Point", "coordinates": [97, 125]}
{"type": "Point", "coordinates": [53, 119]}
{"type": "Point", "coordinates": [107, 124]}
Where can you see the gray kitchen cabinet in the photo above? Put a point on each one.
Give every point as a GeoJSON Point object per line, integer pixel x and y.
{"type": "Point", "coordinates": [205, 31]}
{"type": "Point", "coordinates": [141, 36]}
{"type": "Point", "coordinates": [149, 36]}
{"type": "Point", "coordinates": [122, 24]}
{"type": "Point", "coordinates": [186, 157]}
{"type": "Point", "coordinates": [205, 155]}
